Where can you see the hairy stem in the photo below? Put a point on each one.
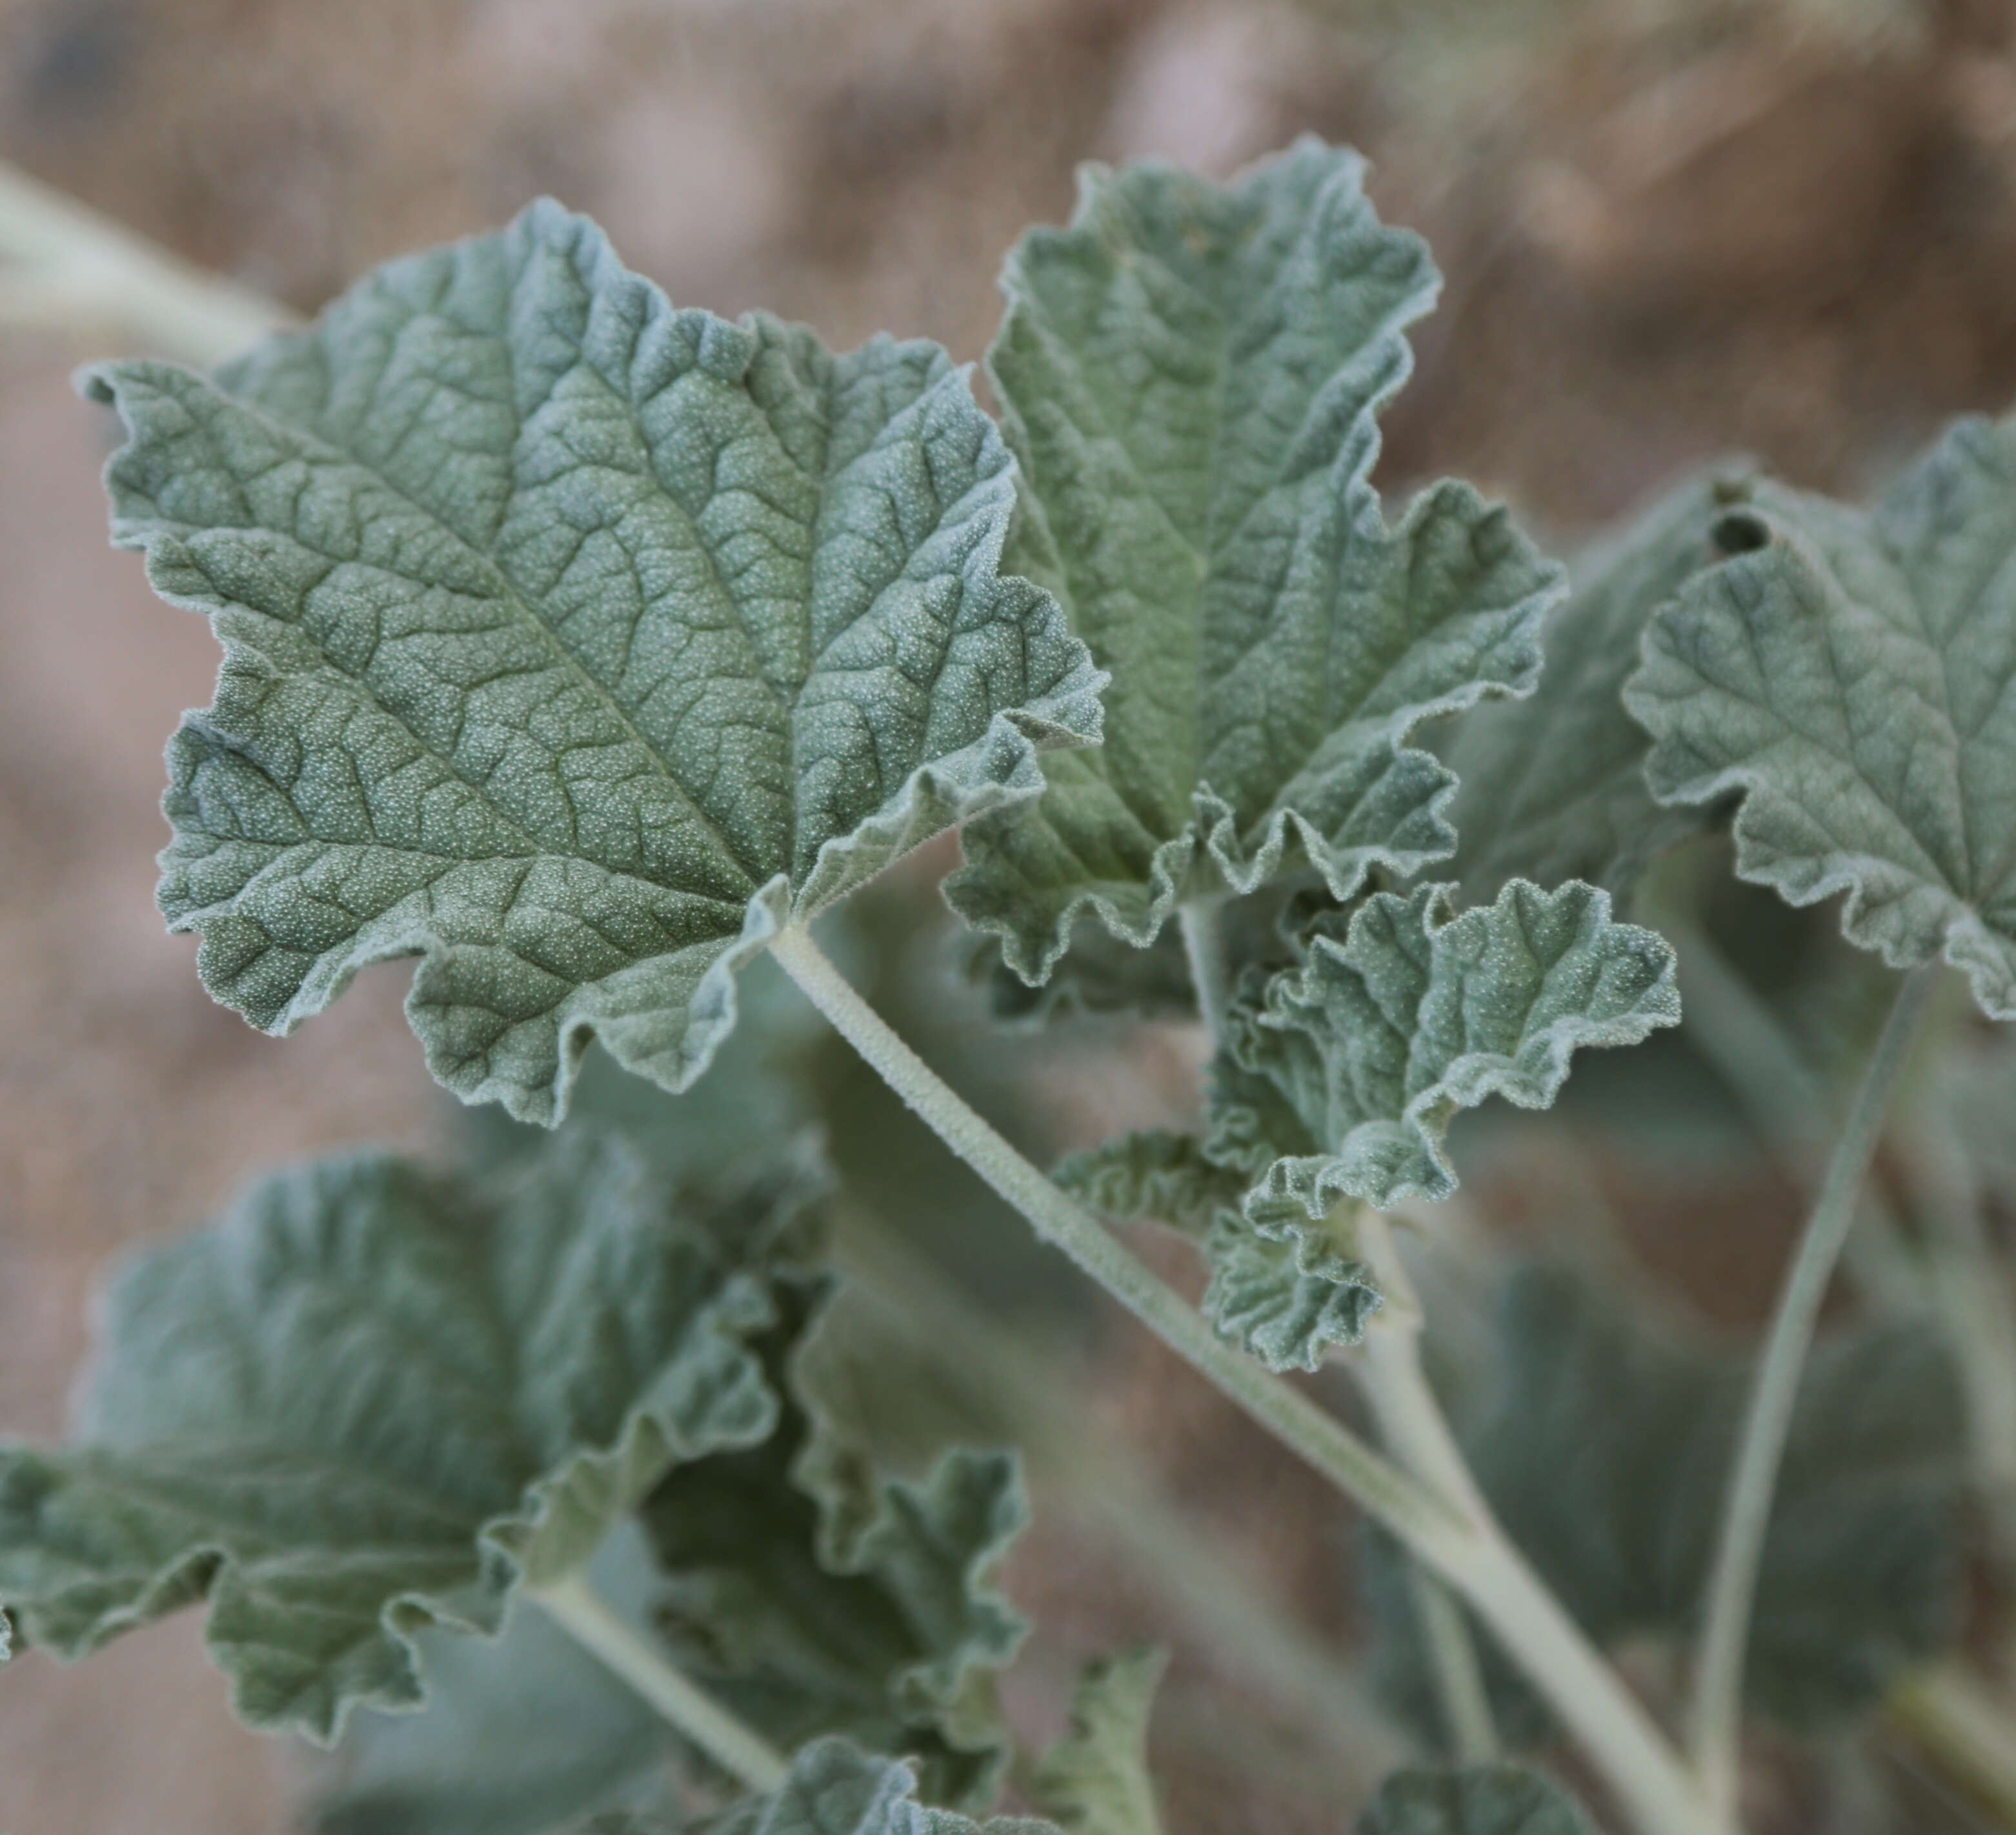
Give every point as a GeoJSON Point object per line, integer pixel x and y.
{"type": "Point", "coordinates": [574, 1607]}
{"type": "Point", "coordinates": [1614, 1729]}
{"type": "Point", "coordinates": [1747, 1509]}
{"type": "Point", "coordinates": [1204, 947]}
{"type": "Point", "coordinates": [1417, 1434]}
{"type": "Point", "coordinates": [66, 266]}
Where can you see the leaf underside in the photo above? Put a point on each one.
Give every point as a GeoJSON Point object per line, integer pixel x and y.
{"type": "Point", "coordinates": [572, 644]}
{"type": "Point", "coordinates": [372, 1399]}
{"type": "Point", "coordinates": [1191, 379]}
{"type": "Point", "coordinates": [1338, 1082]}
{"type": "Point", "coordinates": [1851, 679]}
{"type": "Point", "coordinates": [1603, 1452]}
{"type": "Point", "coordinates": [1552, 786]}
{"type": "Point", "coordinates": [1485, 1800]}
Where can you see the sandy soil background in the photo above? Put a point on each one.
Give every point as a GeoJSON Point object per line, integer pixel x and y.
{"type": "Point", "coordinates": [1668, 233]}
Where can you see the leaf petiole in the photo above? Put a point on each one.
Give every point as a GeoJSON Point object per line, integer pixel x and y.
{"type": "Point", "coordinates": [1747, 1510]}
{"type": "Point", "coordinates": [573, 1605]}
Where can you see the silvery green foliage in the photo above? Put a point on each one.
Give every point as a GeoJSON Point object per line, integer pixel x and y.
{"type": "Point", "coordinates": [372, 1400]}
{"type": "Point", "coordinates": [1152, 1173]}
{"type": "Point", "coordinates": [1851, 679]}
{"type": "Point", "coordinates": [1485, 1800]}
{"type": "Point", "coordinates": [573, 642]}
{"type": "Point", "coordinates": [810, 1593]}
{"type": "Point", "coordinates": [837, 1789]}
{"type": "Point", "coordinates": [1191, 377]}
{"type": "Point", "coordinates": [1603, 1452]}
{"type": "Point", "coordinates": [520, 1734]}
{"type": "Point", "coordinates": [1095, 1781]}
{"type": "Point", "coordinates": [1338, 1082]}
{"type": "Point", "coordinates": [1552, 787]}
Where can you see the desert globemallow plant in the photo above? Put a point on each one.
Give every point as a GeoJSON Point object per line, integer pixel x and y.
{"type": "Point", "coordinates": [589, 650]}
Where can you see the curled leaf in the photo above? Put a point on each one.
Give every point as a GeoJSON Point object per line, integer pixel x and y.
{"type": "Point", "coordinates": [1154, 1173]}
{"type": "Point", "coordinates": [372, 1400]}
{"type": "Point", "coordinates": [573, 642]}
{"type": "Point", "coordinates": [1851, 678]}
{"type": "Point", "coordinates": [1191, 379]}
{"type": "Point", "coordinates": [837, 1789]}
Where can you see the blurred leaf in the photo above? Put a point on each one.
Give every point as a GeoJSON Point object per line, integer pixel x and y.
{"type": "Point", "coordinates": [371, 1400]}
{"type": "Point", "coordinates": [837, 1789]}
{"type": "Point", "coordinates": [1095, 1780]}
{"type": "Point", "coordinates": [572, 643]}
{"type": "Point", "coordinates": [811, 1595]}
{"type": "Point", "coordinates": [1552, 787]}
{"type": "Point", "coordinates": [519, 1735]}
{"type": "Point", "coordinates": [1849, 676]}
{"type": "Point", "coordinates": [1487, 1800]}
{"type": "Point", "coordinates": [1604, 1453]}
{"type": "Point", "coordinates": [1190, 377]}
{"type": "Point", "coordinates": [1154, 1174]}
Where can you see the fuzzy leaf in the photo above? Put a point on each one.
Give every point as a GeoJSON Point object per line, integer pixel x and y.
{"type": "Point", "coordinates": [837, 1789]}
{"type": "Point", "coordinates": [1095, 1780]}
{"type": "Point", "coordinates": [811, 1595]}
{"type": "Point", "coordinates": [1191, 377]}
{"type": "Point", "coordinates": [1287, 1293]}
{"type": "Point", "coordinates": [1603, 1452]}
{"type": "Point", "coordinates": [572, 644]}
{"type": "Point", "coordinates": [372, 1399]}
{"type": "Point", "coordinates": [1154, 1174]}
{"type": "Point", "coordinates": [1552, 787]}
{"type": "Point", "coordinates": [1341, 1083]}
{"type": "Point", "coordinates": [1486, 1799]}
{"type": "Point", "coordinates": [1852, 679]}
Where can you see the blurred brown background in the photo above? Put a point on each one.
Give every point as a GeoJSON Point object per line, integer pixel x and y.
{"type": "Point", "coordinates": [1670, 228]}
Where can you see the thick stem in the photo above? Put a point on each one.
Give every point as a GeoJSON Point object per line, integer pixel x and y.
{"type": "Point", "coordinates": [572, 1605]}
{"type": "Point", "coordinates": [1204, 947]}
{"type": "Point", "coordinates": [1613, 1727]}
{"type": "Point", "coordinates": [1747, 1510]}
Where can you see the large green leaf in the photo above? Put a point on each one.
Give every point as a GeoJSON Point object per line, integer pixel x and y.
{"type": "Point", "coordinates": [1191, 377]}
{"type": "Point", "coordinates": [1851, 678]}
{"type": "Point", "coordinates": [1603, 1450]}
{"type": "Point", "coordinates": [572, 644]}
{"type": "Point", "coordinates": [1486, 1799]}
{"type": "Point", "coordinates": [1552, 787]}
{"type": "Point", "coordinates": [1095, 1781]}
{"type": "Point", "coordinates": [810, 1594]}
{"type": "Point", "coordinates": [372, 1400]}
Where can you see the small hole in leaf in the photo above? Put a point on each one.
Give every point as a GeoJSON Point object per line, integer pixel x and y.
{"type": "Point", "coordinates": [1740, 533]}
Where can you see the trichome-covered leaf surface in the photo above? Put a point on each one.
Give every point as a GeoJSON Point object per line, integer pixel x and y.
{"type": "Point", "coordinates": [810, 1594]}
{"type": "Point", "coordinates": [837, 1789]}
{"type": "Point", "coordinates": [1190, 377]}
{"type": "Point", "coordinates": [1552, 786]}
{"type": "Point", "coordinates": [372, 1400]}
{"type": "Point", "coordinates": [572, 642]}
{"type": "Point", "coordinates": [1485, 1800]}
{"type": "Point", "coordinates": [1095, 1780]}
{"type": "Point", "coordinates": [1851, 679]}
{"type": "Point", "coordinates": [1603, 1452]}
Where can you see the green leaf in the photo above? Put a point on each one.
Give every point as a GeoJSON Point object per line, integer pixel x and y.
{"type": "Point", "coordinates": [1603, 1452]}
{"type": "Point", "coordinates": [1287, 1293]}
{"type": "Point", "coordinates": [1341, 1082]}
{"type": "Point", "coordinates": [1154, 1174]}
{"type": "Point", "coordinates": [520, 1735]}
{"type": "Point", "coordinates": [1485, 1800]}
{"type": "Point", "coordinates": [1095, 1780]}
{"type": "Point", "coordinates": [572, 644]}
{"type": "Point", "coordinates": [1849, 677]}
{"type": "Point", "coordinates": [837, 1789]}
{"type": "Point", "coordinates": [1191, 377]}
{"type": "Point", "coordinates": [372, 1400]}
{"type": "Point", "coordinates": [809, 1594]}
{"type": "Point", "coordinates": [1552, 787]}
